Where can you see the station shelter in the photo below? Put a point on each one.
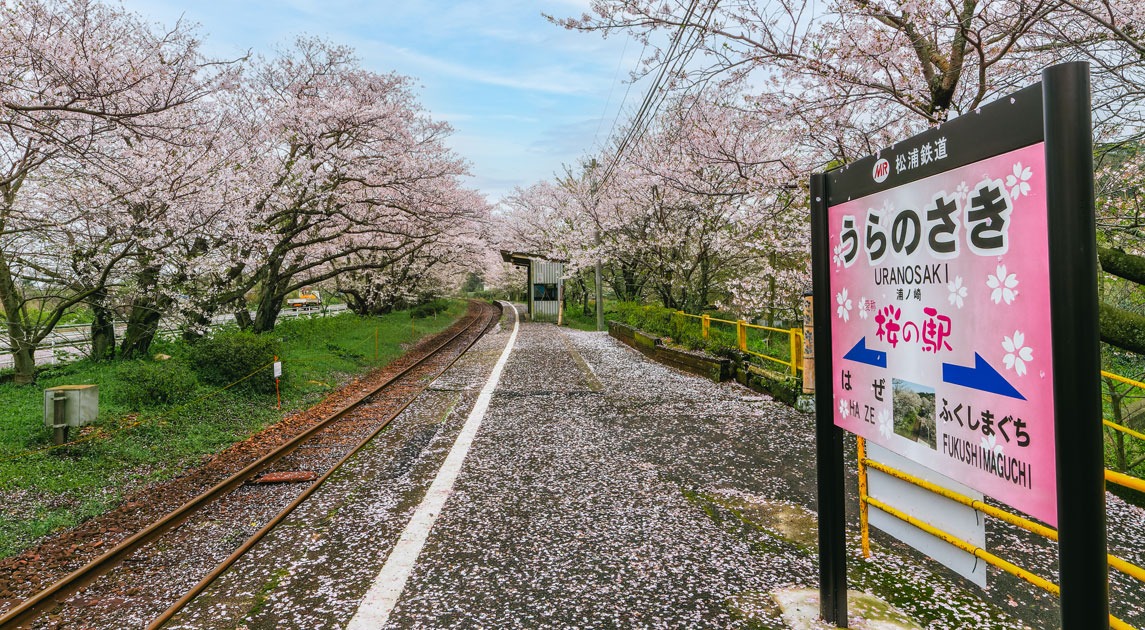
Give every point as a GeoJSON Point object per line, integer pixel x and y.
{"type": "Point", "coordinates": [545, 287]}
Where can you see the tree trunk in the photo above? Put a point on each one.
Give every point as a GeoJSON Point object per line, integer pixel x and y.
{"type": "Point", "coordinates": [242, 317]}
{"type": "Point", "coordinates": [102, 329]}
{"type": "Point", "coordinates": [630, 288]}
{"type": "Point", "coordinates": [274, 290]}
{"type": "Point", "coordinates": [269, 306]}
{"type": "Point", "coordinates": [143, 321]}
{"type": "Point", "coordinates": [24, 360]}
{"type": "Point", "coordinates": [704, 289]}
{"type": "Point", "coordinates": [20, 338]}
{"type": "Point", "coordinates": [141, 329]}
{"type": "Point", "coordinates": [1121, 328]}
{"type": "Point", "coordinates": [355, 302]}
{"type": "Point", "coordinates": [1118, 436]}
{"type": "Point", "coordinates": [191, 331]}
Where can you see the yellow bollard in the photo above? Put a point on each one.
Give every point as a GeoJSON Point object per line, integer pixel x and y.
{"type": "Point", "coordinates": [741, 334]}
{"type": "Point", "coordinates": [706, 324]}
{"type": "Point", "coordinates": [796, 348]}
{"type": "Point", "coordinates": [808, 345]}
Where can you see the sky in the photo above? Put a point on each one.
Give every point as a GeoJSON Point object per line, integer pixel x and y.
{"type": "Point", "coordinates": [524, 96]}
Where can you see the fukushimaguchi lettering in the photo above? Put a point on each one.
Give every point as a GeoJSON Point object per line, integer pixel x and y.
{"type": "Point", "coordinates": [1000, 465]}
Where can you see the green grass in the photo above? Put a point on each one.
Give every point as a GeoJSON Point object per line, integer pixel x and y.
{"type": "Point", "coordinates": [264, 592]}
{"type": "Point", "coordinates": [575, 317]}
{"type": "Point", "coordinates": [44, 489]}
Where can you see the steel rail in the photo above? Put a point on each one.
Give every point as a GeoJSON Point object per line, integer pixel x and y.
{"type": "Point", "coordinates": [221, 568]}
{"type": "Point", "coordinates": [100, 565]}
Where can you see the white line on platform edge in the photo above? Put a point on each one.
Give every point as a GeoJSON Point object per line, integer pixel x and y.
{"type": "Point", "coordinates": [387, 588]}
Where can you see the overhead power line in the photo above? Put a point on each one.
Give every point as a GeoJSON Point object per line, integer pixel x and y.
{"type": "Point", "coordinates": [678, 55]}
{"type": "Point", "coordinates": [611, 89]}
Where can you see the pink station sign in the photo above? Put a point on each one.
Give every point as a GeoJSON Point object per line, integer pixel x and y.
{"type": "Point", "coordinates": [941, 344]}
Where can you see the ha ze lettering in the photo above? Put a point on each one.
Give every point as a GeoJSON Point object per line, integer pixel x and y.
{"type": "Point", "coordinates": [978, 217]}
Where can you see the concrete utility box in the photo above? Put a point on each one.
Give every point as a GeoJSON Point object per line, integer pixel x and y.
{"type": "Point", "coordinates": [70, 406]}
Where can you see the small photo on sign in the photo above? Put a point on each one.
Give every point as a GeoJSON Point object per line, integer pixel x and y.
{"type": "Point", "coordinates": [914, 412]}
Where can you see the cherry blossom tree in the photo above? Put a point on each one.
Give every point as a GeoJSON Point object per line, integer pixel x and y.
{"type": "Point", "coordinates": [704, 202]}
{"type": "Point", "coordinates": [428, 266]}
{"type": "Point", "coordinates": [170, 202]}
{"type": "Point", "coordinates": [352, 172]}
{"type": "Point", "coordinates": [145, 181]}
{"type": "Point", "coordinates": [560, 220]}
{"type": "Point", "coordinates": [727, 205]}
{"type": "Point", "coordinates": [859, 73]}
{"type": "Point", "coordinates": [72, 73]}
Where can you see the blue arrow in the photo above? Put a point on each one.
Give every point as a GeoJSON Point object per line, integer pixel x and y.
{"type": "Point", "coordinates": [982, 377]}
{"type": "Point", "coordinates": [860, 354]}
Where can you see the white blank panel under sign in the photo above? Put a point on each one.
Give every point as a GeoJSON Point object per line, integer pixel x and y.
{"type": "Point", "coordinates": [958, 520]}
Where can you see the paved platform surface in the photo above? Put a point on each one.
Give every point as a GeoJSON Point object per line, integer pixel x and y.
{"type": "Point", "coordinates": [602, 491]}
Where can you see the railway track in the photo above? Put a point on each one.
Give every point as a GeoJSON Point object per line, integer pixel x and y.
{"type": "Point", "coordinates": [146, 578]}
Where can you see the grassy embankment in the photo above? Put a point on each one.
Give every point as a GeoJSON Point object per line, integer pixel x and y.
{"type": "Point", "coordinates": [134, 443]}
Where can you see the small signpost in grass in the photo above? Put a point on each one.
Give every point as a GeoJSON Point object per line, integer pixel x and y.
{"type": "Point", "coordinates": [277, 376]}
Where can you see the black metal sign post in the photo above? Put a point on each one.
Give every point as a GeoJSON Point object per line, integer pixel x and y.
{"type": "Point", "coordinates": [1082, 563]}
{"type": "Point", "coordinates": [828, 437]}
{"type": "Point", "coordinates": [1057, 112]}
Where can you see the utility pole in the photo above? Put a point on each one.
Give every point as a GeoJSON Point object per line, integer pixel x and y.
{"type": "Point", "coordinates": [599, 292]}
{"type": "Point", "coordinates": [593, 188]}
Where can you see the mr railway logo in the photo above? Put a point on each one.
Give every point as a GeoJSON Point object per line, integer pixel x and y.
{"type": "Point", "coordinates": [881, 171]}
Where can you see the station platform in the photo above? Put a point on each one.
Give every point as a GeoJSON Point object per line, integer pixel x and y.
{"type": "Point", "coordinates": [588, 487]}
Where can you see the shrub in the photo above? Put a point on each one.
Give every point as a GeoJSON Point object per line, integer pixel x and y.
{"type": "Point", "coordinates": [228, 356]}
{"type": "Point", "coordinates": [140, 384]}
{"type": "Point", "coordinates": [484, 295]}
{"type": "Point", "coordinates": [665, 322]}
{"type": "Point", "coordinates": [343, 352]}
{"type": "Point", "coordinates": [429, 309]}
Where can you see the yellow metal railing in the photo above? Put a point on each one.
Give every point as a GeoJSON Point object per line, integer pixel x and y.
{"type": "Point", "coordinates": [794, 362]}
{"type": "Point", "coordinates": [865, 500]}
{"type": "Point", "coordinates": [1118, 478]}
{"type": "Point", "coordinates": [1120, 378]}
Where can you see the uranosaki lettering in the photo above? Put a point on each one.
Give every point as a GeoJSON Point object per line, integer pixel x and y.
{"type": "Point", "coordinates": [979, 217]}
{"type": "Point", "coordinates": [913, 274]}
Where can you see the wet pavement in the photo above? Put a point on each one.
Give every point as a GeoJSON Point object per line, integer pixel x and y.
{"type": "Point", "coordinates": [602, 490]}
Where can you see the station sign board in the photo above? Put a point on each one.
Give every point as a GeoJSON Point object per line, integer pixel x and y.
{"type": "Point", "coordinates": [939, 288]}
{"type": "Point", "coordinates": [956, 322]}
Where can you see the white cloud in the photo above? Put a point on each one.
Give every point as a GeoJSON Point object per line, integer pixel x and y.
{"type": "Point", "coordinates": [555, 79]}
